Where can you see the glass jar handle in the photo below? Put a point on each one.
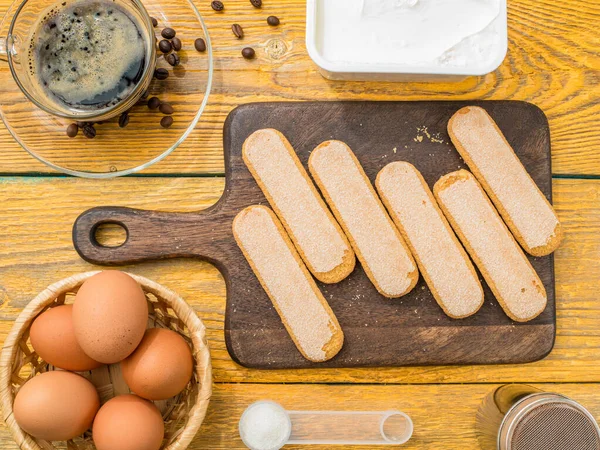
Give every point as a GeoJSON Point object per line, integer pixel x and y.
{"type": "Point", "coordinates": [10, 44]}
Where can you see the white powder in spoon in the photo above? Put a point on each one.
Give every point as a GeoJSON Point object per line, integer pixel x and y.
{"type": "Point", "coordinates": [265, 425]}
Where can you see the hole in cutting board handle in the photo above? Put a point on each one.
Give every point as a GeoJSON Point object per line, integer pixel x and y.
{"type": "Point", "coordinates": [109, 234]}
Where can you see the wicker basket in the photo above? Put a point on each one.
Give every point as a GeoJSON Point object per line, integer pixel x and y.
{"type": "Point", "coordinates": [183, 414]}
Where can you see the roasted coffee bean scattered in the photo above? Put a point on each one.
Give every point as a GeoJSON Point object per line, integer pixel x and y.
{"type": "Point", "coordinates": [168, 33]}
{"type": "Point", "coordinates": [89, 131]}
{"type": "Point", "coordinates": [161, 74]}
{"type": "Point", "coordinates": [248, 53]}
{"type": "Point", "coordinates": [166, 108]}
{"type": "Point", "coordinates": [81, 124]}
{"type": "Point", "coordinates": [72, 130]}
{"type": "Point", "coordinates": [164, 46]}
{"type": "Point", "coordinates": [176, 44]}
{"type": "Point", "coordinates": [256, 3]}
{"type": "Point", "coordinates": [166, 121]}
{"type": "Point", "coordinates": [217, 6]}
{"type": "Point", "coordinates": [153, 103]}
{"type": "Point", "coordinates": [200, 45]}
{"type": "Point", "coordinates": [237, 31]}
{"type": "Point", "coordinates": [154, 22]}
{"type": "Point", "coordinates": [273, 21]}
{"type": "Point", "coordinates": [123, 120]}
{"type": "Point", "coordinates": [173, 59]}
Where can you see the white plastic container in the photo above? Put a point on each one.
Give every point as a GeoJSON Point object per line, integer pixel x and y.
{"type": "Point", "coordinates": [373, 62]}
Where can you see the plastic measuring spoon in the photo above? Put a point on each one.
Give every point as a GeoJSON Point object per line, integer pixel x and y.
{"type": "Point", "coordinates": [266, 425]}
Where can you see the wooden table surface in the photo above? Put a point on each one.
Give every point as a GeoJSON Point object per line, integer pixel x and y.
{"type": "Point", "coordinates": [553, 61]}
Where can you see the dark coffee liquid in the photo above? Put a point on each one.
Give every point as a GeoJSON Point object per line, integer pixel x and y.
{"type": "Point", "coordinates": [88, 54]}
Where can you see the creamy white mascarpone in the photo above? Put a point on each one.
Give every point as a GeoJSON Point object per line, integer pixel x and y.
{"type": "Point", "coordinates": [410, 32]}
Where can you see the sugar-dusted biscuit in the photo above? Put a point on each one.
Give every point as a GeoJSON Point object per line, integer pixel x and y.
{"type": "Point", "coordinates": [500, 260]}
{"type": "Point", "coordinates": [442, 260]}
{"type": "Point", "coordinates": [376, 241]}
{"type": "Point", "coordinates": [517, 198]}
{"type": "Point", "coordinates": [294, 198]}
{"type": "Point", "coordinates": [302, 308]}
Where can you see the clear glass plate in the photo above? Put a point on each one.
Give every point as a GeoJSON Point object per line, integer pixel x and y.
{"type": "Point", "coordinates": [120, 151]}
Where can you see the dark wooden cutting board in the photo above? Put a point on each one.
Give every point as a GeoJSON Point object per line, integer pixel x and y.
{"type": "Point", "coordinates": [411, 330]}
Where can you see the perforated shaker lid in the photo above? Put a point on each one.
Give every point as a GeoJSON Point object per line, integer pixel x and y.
{"type": "Point", "coordinates": [548, 422]}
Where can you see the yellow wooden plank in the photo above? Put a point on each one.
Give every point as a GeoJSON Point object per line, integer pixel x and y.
{"type": "Point", "coordinates": [553, 61]}
{"type": "Point", "coordinates": [36, 249]}
{"type": "Point", "coordinates": [443, 415]}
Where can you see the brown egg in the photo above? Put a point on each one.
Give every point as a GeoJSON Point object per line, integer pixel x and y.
{"type": "Point", "coordinates": [110, 316]}
{"type": "Point", "coordinates": [128, 422]}
{"type": "Point", "coordinates": [56, 406]}
{"type": "Point", "coordinates": [160, 367]}
{"type": "Point", "coordinates": [53, 338]}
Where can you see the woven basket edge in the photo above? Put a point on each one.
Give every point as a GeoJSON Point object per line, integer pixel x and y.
{"type": "Point", "coordinates": [183, 310]}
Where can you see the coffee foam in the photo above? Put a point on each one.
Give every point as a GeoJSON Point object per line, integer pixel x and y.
{"type": "Point", "coordinates": [84, 49]}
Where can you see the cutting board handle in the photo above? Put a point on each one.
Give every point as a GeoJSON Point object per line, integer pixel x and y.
{"type": "Point", "coordinates": [151, 235]}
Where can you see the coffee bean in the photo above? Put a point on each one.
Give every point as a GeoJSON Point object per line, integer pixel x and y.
{"type": "Point", "coordinates": [273, 21]}
{"type": "Point", "coordinates": [124, 120]}
{"type": "Point", "coordinates": [72, 130]}
{"type": "Point", "coordinates": [154, 22]}
{"type": "Point", "coordinates": [248, 53]}
{"type": "Point", "coordinates": [166, 108]}
{"type": "Point", "coordinates": [176, 43]}
{"type": "Point", "coordinates": [200, 45]}
{"type": "Point", "coordinates": [237, 31]}
{"type": "Point", "coordinates": [81, 124]}
{"type": "Point", "coordinates": [217, 6]}
{"type": "Point", "coordinates": [173, 59]}
{"type": "Point", "coordinates": [153, 103]}
{"type": "Point", "coordinates": [89, 131]}
{"type": "Point", "coordinates": [166, 121]}
{"type": "Point", "coordinates": [168, 33]}
{"type": "Point", "coordinates": [164, 46]}
{"type": "Point", "coordinates": [256, 3]}
{"type": "Point", "coordinates": [161, 74]}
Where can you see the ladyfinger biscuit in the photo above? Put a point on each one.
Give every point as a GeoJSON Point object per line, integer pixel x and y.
{"type": "Point", "coordinates": [500, 260]}
{"type": "Point", "coordinates": [294, 198]}
{"type": "Point", "coordinates": [302, 308]}
{"type": "Point", "coordinates": [376, 241]}
{"type": "Point", "coordinates": [441, 258]}
{"type": "Point", "coordinates": [517, 198]}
